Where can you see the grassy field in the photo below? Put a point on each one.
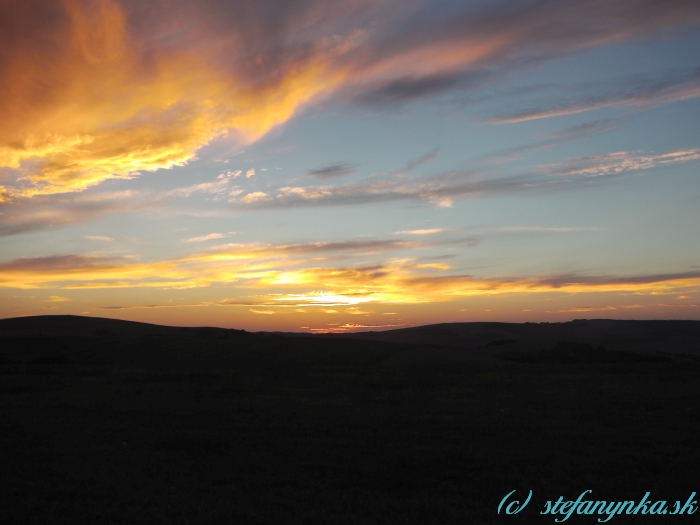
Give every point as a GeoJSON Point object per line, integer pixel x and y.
{"type": "Point", "coordinates": [268, 429]}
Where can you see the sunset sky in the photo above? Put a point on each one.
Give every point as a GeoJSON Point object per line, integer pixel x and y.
{"type": "Point", "coordinates": [318, 165]}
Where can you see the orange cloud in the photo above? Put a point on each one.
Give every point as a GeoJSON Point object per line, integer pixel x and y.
{"type": "Point", "coordinates": [600, 308]}
{"type": "Point", "coordinates": [75, 271]}
{"type": "Point", "coordinates": [57, 299]}
{"type": "Point", "coordinates": [147, 306]}
{"type": "Point", "coordinates": [85, 102]}
{"type": "Point", "coordinates": [292, 279]}
{"type": "Point", "coordinates": [264, 312]}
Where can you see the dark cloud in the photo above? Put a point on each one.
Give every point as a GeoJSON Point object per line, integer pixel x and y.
{"type": "Point", "coordinates": [355, 246]}
{"type": "Point", "coordinates": [556, 282]}
{"type": "Point", "coordinates": [408, 88]}
{"type": "Point", "coordinates": [25, 215]}
{"type": "Point", "coordinates": [334, 170]}
{"type": "Point", "coordinates": [138, 307]}
{"type": "Point", "coordinates": [475, 45]}
{"type": "Point", "coordinates": [559, 281]}
{"type": "Point", "coordinates": [634, 92]}
{"type": "Point", "coordinates": [60, 263]}
{"type": "Point", "coordinates": [438, 257]}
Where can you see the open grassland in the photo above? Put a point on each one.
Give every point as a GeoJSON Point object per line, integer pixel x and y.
{"type": "Point", "coordinates": [266, 429]}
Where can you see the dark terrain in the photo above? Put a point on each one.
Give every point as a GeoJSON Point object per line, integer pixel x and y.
{"type": "Point", "coordinates": [105, 421]}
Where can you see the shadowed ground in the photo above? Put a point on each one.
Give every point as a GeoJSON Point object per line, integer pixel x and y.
{"type": "Point", "coordinates": [148, 424]}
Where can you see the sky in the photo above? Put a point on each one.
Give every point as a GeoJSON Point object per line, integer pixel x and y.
{"type": "Point", "coordinates": [331, 166]}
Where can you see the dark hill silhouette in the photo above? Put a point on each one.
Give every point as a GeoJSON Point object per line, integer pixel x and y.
{"type": "Point", "coordinates": [640, 336]}
{"type": "Point", "coordinates": [668, 336]}
{"type": "Point", "coordinates": [107, 421]}
{"type": "Point", "coordinates": [627, 335]}
{"type": "Point", "coordinates": [81, 326]}
{"type": "Point", "coordinates": [430, 344]}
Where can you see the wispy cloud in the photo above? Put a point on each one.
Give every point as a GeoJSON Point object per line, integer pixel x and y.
{"type": "Point", "coordinates": [355, 246]}
{"type": "Point", "coordinates": [150, 306]}
{"type": "Point", "coordinates": [349, 327]}
{"type": "Point", "coordinates": [429, 231]}
{"type": "Point", "coordinates": [569, 134]}
{"type": "Point", "coordinates": [209, 237]}
{"type": "Point", "coordinates": [584, 309]}
{"type": "Point", "coordinates": [469, 48]}
{"type": "Point", "coordinates": [219, 186]}
{"type": "Point", "coordinates": [420, 161]}
{"type": "Point", "coordinates": [442, 190]}
{"type": "Point", "coordinates": [354, 310]}
{"type": "Point", "coordinates": [674, 89]}
{"type": "Point", "coordinates": [99, 238]}
{"type": "Point", "coordinates": [585, 130]}
{"type": "Point", "coordinates": [60, 263]}
{"type": "Point", "coordinates": [57, 299]}
{"type": "Point", "coordinates": [620, 162]}
{"type": "Point", "coordinates": [562, 229]}
{"type": "Point", "coordinates": [24, 215]}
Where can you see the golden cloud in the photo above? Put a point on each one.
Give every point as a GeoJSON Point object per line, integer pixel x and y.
{"type": "Point", "coordinates": [85, 102]}
{"type": "Point", "coordinates": [57, 299]}
{"type": "Point", "coordinates": [291, 279]}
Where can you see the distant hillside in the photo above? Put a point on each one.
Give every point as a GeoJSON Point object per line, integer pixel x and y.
{"type": "Point", "coordinates": [651, 336]}
{"type": "Point", "coordinates": [79, 326]}
{"type": "Point", "coordinates": [165, 425]}
{"type": "Point", "coordinates": [640, 336]}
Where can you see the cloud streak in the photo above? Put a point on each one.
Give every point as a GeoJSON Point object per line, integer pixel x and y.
{"type": "Point", "coordinates": [558, 229]}
{"type": "Point", "coordinates": [444, 189]}
{"type": "Point", "coordinates": [440, 191]}
{"type": "Point", "coordinates": [429, 231]}
{"type": "Point", "coordinates": [203, 238]}
{"type": "Point", "coordinates": [334, 170]}
{"type": "Point", "coordinates": [25, 215]}
{"type": "Point", "coordinates": [429, 55]}
{"type": "Point", "coordinates": [620, 162]}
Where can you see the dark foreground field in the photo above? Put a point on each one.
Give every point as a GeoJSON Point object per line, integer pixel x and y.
{"type": "Point", "coordinates": [112, 422]}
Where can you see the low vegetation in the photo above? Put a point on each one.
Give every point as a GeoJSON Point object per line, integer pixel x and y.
{"type": "Point", "coordinates": [239, 428]}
